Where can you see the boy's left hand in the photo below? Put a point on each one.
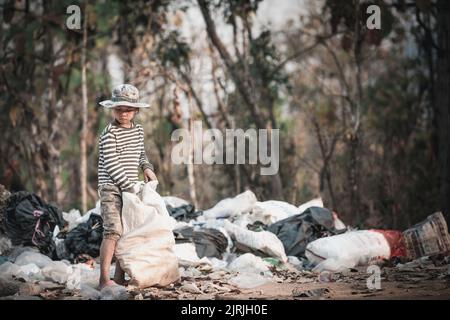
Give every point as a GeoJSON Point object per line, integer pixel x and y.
{"type": "Point", "coordinates": [149, 175]}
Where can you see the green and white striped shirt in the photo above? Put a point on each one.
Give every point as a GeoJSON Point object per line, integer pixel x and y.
{"type": "Point", "coordinates": [121, 154]}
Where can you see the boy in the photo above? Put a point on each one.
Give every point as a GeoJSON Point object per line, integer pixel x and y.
{"type": "Point", "coordinates": [121, 154]}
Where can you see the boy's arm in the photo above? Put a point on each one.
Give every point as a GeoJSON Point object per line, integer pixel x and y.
{"type": "Point", "coordinates": [112, 164]}
{"type": "Point", "coordinates": [144, 163]}
{"type": "Point", "coordinates": [143, 160]}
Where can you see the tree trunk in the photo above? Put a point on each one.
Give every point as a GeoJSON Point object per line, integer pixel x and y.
{"type": "Point", "coordinates": [190, 165]}
{"type": "Point", "coordinates": [443, 102]}
{"type": "Point", "coordinates": [84, 124]}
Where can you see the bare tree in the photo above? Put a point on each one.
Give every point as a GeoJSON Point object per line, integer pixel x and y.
{"type": "Point", "coordinates": [84, 123]}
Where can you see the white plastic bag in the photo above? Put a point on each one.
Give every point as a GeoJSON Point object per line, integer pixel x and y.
{"type": "Point", "coordinates": [71, 218]}
{"type": "Point", "coordinates": [348, 250]}
{"type": "Point", "coordinates": [230, 207]}
{"type": "Point", "coordinates": [145, 250]}
{"type": "Point", "coordinates": [57, 271]}
{"type": "Point", "coordinates": [249, 263]}
{"type": "Point", "coordinates": [37, 258]}
{"type": "Point", "coordinates": [272, 211]}
{"type": "Point", "coordinates": [186, 254]}
{"type": "Point", "coordinates": [263, 241]}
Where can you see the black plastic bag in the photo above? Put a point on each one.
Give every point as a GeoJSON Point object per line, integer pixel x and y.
{"type": "Point", "coordinates": [208, 242]}
{"type": "Point", "coordinates": [29, 221]}
{"type": "Point", "coordinates": [183, 213]}
{"type": "Point", "coordinates": [85, 238]}
{"type": "Point", "coordinates": [297, 231]}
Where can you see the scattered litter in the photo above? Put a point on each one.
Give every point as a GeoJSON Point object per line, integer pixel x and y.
{"type": "Point", "coordinates": [248, 280]}
{"type": "Point", "coordinates": [190, 287]}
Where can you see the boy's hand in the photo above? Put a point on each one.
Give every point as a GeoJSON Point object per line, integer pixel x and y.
{"type": "Point", "coordinates": [149, 175]}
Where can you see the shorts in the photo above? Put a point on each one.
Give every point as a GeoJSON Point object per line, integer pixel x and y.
{"type": "Point", "coordinates": [111, 211]}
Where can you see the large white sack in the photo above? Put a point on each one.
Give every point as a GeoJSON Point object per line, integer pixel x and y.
{"type": "Point", "coordinates": [263, 241]}
{"type": "Point", "coordinates": [145, 250]}
{"type": "Point", "coordinates": [230, 207]}
{"type": "Point", "coordinates": [348, 250]}
{"type": "Point", "coordinates": [272, 211]}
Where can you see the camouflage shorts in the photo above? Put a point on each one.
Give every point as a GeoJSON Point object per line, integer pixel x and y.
{"type": "Point", "coordinates": [111, 210]}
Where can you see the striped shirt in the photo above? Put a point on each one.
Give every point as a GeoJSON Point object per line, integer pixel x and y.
{"type": "Point", "coordinates": [121, 154]}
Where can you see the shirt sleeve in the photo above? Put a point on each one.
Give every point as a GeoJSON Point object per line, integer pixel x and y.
{"type": "Point", "coordinates": [112, 164]}
{"type": "Point", "coordinates": [143, 160]}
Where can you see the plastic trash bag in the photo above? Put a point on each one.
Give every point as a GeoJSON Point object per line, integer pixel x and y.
{"type": "Point", "coordinates": [72, 217]}
{"type": "Point", "coordinates": [186, 254]}
{"type": "Point", "coordinates": [145, 250]}
{"type": "Point", "coordinates": [5, 245]}
{"type": "Point", "coordinates": [249, 263]}
{"type": "Point", "coordinates": [348, 250]}
{"type": "Point", "coordinates": [174, 202]}
{"type": "Point", "coordinates": [30, 221]}
{"type": "Point", "coordinates": [262, 243]}
{"type": "Point", "coordinates": [183, 213]}
{"type": "Point", "coordinates": [9, 269]}
{"type": "Point", "coordinates": [208, 242]}
{"type": "Point", "coordinates": [37, 258]}
{"type": "Point", "coordinates": [297, 231]}
{"type": "Point", "coordinates": [272, 211]}
{"type": "Point", "coordinates": [85, 238]}
{"type": "Point", "coordinates": [230, 207]}
{"type": "Point", "coordinates": [57, 271]}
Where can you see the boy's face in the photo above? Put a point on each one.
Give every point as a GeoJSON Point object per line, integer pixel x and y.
{"type": "Point", "coordinates": [124, 114]}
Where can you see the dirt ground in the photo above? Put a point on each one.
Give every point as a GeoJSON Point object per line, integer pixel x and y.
{"type": "Point", "coordinates": [420, 279]}
{"type": "Point", "coordinates": [427, 283]}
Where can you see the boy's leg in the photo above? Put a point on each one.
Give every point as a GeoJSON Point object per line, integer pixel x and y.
{"type": "Point", "coordinates": [106, 254]}
{"type": "Point", "coordinates": [119, 274]}
{"type": "Point", "coordinates": [111, 208]}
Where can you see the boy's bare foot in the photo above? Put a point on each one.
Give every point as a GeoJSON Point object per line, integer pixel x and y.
{"type": "Point", "coordinates": [108, 283]}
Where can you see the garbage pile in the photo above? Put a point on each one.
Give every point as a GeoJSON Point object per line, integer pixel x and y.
{"type": "Point", "coordinates": [240, 241]}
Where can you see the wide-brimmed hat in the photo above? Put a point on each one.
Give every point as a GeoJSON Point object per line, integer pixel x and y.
{"type": "Point", "coordinates": [124, 95]}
